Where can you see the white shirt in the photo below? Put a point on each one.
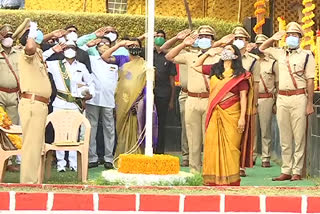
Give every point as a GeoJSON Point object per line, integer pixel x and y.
{"type": "Point", "coordinates": [80, 80]}
{"type": "Point", "coordinates": [105, 77]}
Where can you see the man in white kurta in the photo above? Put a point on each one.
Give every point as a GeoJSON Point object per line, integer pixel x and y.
{"type": "Point", "coordinates": [73, 82]}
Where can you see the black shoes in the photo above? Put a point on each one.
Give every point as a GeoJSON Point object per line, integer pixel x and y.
{"type": "Point", "coordinates": [93, 164]}
{"type": "Point", "coordinates": [108, 165]}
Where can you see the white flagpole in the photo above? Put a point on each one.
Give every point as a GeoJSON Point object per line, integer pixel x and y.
{"type": "Point", "coordinates": [150, 74]}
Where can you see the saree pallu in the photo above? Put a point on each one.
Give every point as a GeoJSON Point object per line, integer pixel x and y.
{"type": "Point", "coordinates": [247, 140]}
{"type": "Point", "coordinates": [222, 139]}
{"type": "Point", "coordinates": [132, 81]}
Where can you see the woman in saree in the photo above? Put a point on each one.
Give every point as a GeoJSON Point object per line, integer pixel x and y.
{"type": "Point", "coordinates": [130, 102]}
{"type": "Point", "coordinates": [226, 117]}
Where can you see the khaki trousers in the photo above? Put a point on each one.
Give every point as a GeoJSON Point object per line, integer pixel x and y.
{"type": "Point", "coordinates": [195, 116]}
{"type": "Point", "coordinates": [263, 123]}
{"type": "Point", "coordinates": [9, 101]}
{"type": "Point", "coordinates": [33, 115]}
{"type": "Point", "coordinates": [184, 141]}
{"type": "Point", "coordinates": [291, 116]}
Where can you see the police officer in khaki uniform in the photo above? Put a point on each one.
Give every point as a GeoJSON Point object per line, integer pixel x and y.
{"type": "Point", "coordinates": [9, 78]}
{"type": "Point", "coordinates": [250, 62]}
{"type": "Point", "coordinates": [183, 69]}
{"type": "Point", "coordinates": [198, 92]}
{"type": "Point", "coordinates": [9, 82]}
{"type": "Point", "coordinates": [295, 98]}
{"type": "Point", "coordinates": [269, 74]}
{"type": "Point", "coordinates": [35, 92]}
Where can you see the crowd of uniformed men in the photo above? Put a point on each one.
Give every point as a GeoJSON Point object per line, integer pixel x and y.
{"type": "Point", "coordinates": [77, 70]}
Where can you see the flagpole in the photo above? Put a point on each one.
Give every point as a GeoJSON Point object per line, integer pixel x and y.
{"type": "Point", "coordinates": [150, 74]}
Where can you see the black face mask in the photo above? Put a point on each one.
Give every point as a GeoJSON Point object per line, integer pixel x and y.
{"type": "Point", "coordinates": [135, 51]}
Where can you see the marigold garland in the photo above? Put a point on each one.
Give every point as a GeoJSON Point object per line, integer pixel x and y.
{"type": "Point", "coordinates": [282, 26]}
{"type": "Point", "coordinates": [16, 140]}
{"type": "Point", "coordinates": [5, 121]}
{"type": "Point", "coordinates": [309, 38]}
{"type": "Point", "coordinates": [260, 10]}
{"type": "Point", "coordinates": [142, 164]}
{"type": "Point", "coordinates": [317, 58]}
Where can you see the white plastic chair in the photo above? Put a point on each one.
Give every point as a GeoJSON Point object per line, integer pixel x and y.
{"type": "Point", "coordinates": [66, 125]}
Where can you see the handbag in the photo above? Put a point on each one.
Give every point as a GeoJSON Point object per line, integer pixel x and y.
{"type": "Point", "coordinates": [5, 142]}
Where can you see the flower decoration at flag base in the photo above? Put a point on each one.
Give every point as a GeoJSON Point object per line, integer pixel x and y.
{"type": "Point", "coordinates": [114, 177]}
{"type": "Point", "coordinates": [142, 170]}
{"type": "Point", "coordinates": [142, 164]}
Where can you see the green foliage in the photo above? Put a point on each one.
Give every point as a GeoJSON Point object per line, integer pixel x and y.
{"type": "Point", "coordinates": [126, 25]}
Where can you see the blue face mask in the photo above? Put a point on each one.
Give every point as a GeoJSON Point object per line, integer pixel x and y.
{"type": "Point", "coordinates": [196, 43]}
{"type": "Point", "coordinates": [39, 38]}
{"type": "Point", "coordinates": [292, 42]}
{"type": "Point", "coordinates": [204, 43]}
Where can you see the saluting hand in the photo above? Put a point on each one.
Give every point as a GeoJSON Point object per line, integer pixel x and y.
{"type": "Point", "coordinates": [59, 47]}
{"type": "Point", "coordinates": [227, 40]}
{"type": "Point", "coordinates": [101, 31]}
{"type": "Point", "coordinates": [190, 39]}
{"type": "Point", "coordinates": [214, 51]}
{"type": "Point", "coordinates": [59, 33]}
{"type": "Point", "coordinates": [125, 43]}
{"type": "Point", "coordinates": [93, 43]}
{"type": "Point", "coordinates": [251, 46]}
{"type": "Point", "coordinates": [183, 34]}
{"type": "Point", "coordinates": [278, 36]}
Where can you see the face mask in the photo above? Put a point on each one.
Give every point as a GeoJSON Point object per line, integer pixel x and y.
{"type": "Point", "coordinates": [73, 36]}
{"type": "Point", "coordinates": [69, 53]}
{"type": "Point", "coordinates": [135, 51]}
{"type": "Point", "coordinates": [292, 42]}
{"type": "Point", "coordinates": [39, 37]}
{"type": "Point", "coordinates": [121, 51]}
{"type": "Point", "coordinates": [7, 42]}
{"type": "Point", "coordinates": [112, 36]}
{"type": "Point", "coordinates": [196, 43]}
{"type": "Point", "coordinates": [227, 55]}
{"type": "Point", "coordinates": [159, 41]}
{"type": "Point", "coordinates": [239, 43]}
{"type": "Point", "coordinates": [204, 43]}
{"type": "Point", "coordinates": [62, 40]}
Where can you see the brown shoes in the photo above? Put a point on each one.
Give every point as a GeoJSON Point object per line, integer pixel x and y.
{"type": "Point", "coordinates": [282, 177]}
{"type": "Point", "coordinates": [185, 163]}
{"type": "Point", "coordinates": [265, 164]}
{"type": "Point", "coordinates": [242, 173]}
{"type": "Point", "coordinates": [296, 177]}
{"type": "Point", "coordinates": [13, 168]}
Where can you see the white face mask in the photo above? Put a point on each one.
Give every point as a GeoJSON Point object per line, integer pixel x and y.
{"type": "Point", "coordinates": [239, 43]}
{"type": "Point", "coordinates": [69, 53]}
{"type": "Point", "coordinates": [112, 36]}
{"type": "Point", "coordinates": [7, 42]}
{"type": "Point", "coordinates": [227, 54]}
{"type": "Point", "coordinates": [73, 36]}
{"type": "Point", "coordinates": [62, 40]}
